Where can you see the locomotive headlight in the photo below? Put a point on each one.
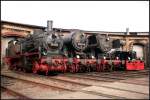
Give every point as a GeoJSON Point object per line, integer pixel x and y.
{"type": "Point", "coordinates": [78, 56]}
{"type": "Point", "coordinates": [117, 58]}
{"type": "Point", "coordinates": [93, 57]}
{"type": "Point", "coordinates": [104, 57]}
{"type": "Point", "coordinates": [129, 58]}
{"type": "Point", "coordinates": [107, 39]}
{"type": "Point", "coordinates": [14, 42]}
{"type": "Point", "coordinates": [141, 58]}
{"type": "Point", "coordinates": [44, 53]}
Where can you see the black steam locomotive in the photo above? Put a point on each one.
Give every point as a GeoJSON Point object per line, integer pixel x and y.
{"type": "Point", "coordinates": [50, 52]}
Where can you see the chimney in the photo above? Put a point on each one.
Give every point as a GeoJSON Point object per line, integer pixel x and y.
{"type": "Point", "coordinates": [127, 31]}
{"type": "Point", "coordinates": [49, 25]}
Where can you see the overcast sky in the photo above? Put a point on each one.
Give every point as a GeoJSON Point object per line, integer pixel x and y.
{"type": "Point", "coordinates": [85, 15]}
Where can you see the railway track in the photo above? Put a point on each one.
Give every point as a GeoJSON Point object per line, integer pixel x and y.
{"type": "Point", "coordinates": [123, 73]}
{"type": "Point", "coordinates": [65, 88]}
{"type": "Point", "coordinates": [93, 81]}
{"type": "Point", "coordinates": [52, 81]}
{"type": "Point", "coordinates": [28, 89]}
{"type": "Point", "coordinates": [88, 85]}
{"type": "Point", "coordinates": [11, 94]}
{"type": "Point", "coordinates": [110, 77]}
{"type": "Point", "coordinates": [125, 83]}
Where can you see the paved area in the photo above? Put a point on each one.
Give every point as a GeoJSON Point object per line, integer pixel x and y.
{"type": "Point", "coordinates": [116, 92]}
{"type": "Point", "coordinates": [73, 89]}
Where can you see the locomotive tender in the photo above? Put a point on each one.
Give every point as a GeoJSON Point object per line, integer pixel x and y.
{"type": "Point", "coordinates": [50, 52]}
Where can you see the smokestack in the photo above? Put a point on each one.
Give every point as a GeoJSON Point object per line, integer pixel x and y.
{"type": "Point", "coordinates": [49, 25]}
{"type": "Point", "coordinates": [127, 31]}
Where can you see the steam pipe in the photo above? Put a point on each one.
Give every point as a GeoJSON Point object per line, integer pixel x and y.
{"type": "Point", "coordinates": [49, 25]}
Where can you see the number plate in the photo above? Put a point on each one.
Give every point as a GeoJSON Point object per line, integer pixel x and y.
{"type": "Point", "coordinates": [82, 44]}
{"type": "Point", "coordinates": [54, 44]}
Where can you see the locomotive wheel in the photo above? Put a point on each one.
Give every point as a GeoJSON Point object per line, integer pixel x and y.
{"type": "Point", "coordinates": [82, 68]}
{"type": "Point", "coordinates": [108, 67]}
{"type": "Point", "coordinates": [92, 68]}
{"type": "Point", "coordinates": [113, 67]}
{"type": "Point", "coordinates": [34, 71]}
{"type": "Point", "coordinates": [98, 68]}
{"type": "Point", "coordinates": [77, 68]}
{"type": "Point", "coordinates": [19, 69]}
{"type": "Point", "coordinates": [88, 68]}
{"type": "Point", "coordinates": [95, 68]}
{"type": "Point", "coordinates": [68, 68]}
{"type": "Point", "coordinates": [10, 67]}
{"type": "Point", "coordinates": [15, 68]}
{"type": "Point", "coordinates": [65, 68]}
{"type": "Point", "coordinates": [35, 67]}
{"type": "Point", "coordinates": [73, 68]}
{"type": "Point", "coordinates": [46, 72]}
{"type": "Point", "coordinates": [101, 67]}
{"type": "Point", "coordinates": [24, 70]}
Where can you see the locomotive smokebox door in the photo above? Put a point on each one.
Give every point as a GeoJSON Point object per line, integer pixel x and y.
{"type": "Point", "coordinates": [75, 42]}
{"type": "Point", "coordinates": [118, 43]}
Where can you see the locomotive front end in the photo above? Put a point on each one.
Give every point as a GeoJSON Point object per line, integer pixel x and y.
{"type": "Point", "coordinates": [51, 58]}
{"type": "Point", "coordinates": [54, 42]}
{"type": "Point", "coordinates": [79, 40]}
{"type": "Point", "coordinates": [75, 41]}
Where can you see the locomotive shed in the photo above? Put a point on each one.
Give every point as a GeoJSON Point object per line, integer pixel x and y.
{"type": "Point", "coordinates": [139, 41]}
{"type": "Point", "coordinates": [71, 83]}
{"type": "Point", "coordinates": [93, 85]}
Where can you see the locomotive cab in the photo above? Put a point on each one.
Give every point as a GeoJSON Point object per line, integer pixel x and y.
{"type": "Point", "coordinates": [53, 42]}
{"type": "Point", "coordinates": [129, 60]}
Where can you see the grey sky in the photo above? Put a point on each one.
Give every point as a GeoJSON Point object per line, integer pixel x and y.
{"type": "Point", "coordinates": [86, 15]}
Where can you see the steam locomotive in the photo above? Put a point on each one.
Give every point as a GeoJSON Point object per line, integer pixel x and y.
{"type": "Point", "coordinates": [51, 52]}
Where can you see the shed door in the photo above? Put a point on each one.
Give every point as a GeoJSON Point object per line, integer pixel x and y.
{"type": "Point", "coordinates": [139, 50]}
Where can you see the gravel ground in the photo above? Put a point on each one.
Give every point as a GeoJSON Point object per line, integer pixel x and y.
{"type": "Point", "coordinates": [89, 89]}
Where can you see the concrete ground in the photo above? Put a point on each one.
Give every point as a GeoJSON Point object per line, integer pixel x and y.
{"type": "Point", "coordinates": [119, 89]}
